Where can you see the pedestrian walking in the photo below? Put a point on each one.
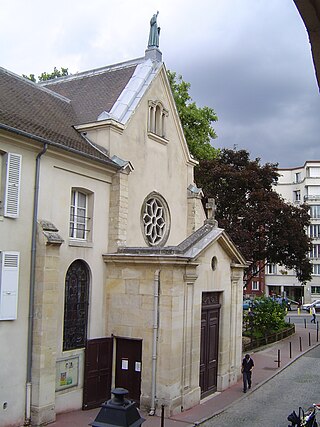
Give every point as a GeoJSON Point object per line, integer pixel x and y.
{"type": "Point", "coordinates": [314, 314]}
{"type": "Point", "coordinates": [246, 369]}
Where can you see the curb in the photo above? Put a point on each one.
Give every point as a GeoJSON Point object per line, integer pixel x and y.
{"type": "Point", "coordinates": [256, 387]}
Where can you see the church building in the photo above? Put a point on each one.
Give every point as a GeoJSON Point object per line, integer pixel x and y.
{"type": "Point", "coordinates": [111, 272]}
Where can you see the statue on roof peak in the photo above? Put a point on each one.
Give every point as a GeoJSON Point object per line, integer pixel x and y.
{"type": "Point", "coordinates": [154, 32]}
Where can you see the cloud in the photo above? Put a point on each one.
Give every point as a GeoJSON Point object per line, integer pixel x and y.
{"type": "Point", "coordinates": [250, 60]}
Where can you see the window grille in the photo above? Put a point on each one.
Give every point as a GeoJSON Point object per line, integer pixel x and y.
{"type": "Point", "coordinates": [76, 306]}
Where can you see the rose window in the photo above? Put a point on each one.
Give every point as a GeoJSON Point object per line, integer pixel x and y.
{"type": "Point", "coordinates": [155, 221]}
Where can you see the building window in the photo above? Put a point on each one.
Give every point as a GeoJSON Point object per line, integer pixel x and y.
{"type": "Point", "coordinates": [297, 196]}
{"type": "Point", "coordinates": [76, 301]}
{"type": "Point", "coordinates": [255, 269]}
{"type": "Point", "coordinates": [255, 285]}
{"type": "Point", "coordinates": [315, 211]}
{"type": "Point", "coordinates": [155, 218]}
{"type": "Point", "coordinates": [313, 192]}
{"type": "Point", "coordinates": [9, 281]}
{"type": "Point", "coordinates": [316, 269]}
{"type": "Point", "coordinates": [297, 177]}
{"type": "Point", "coordinates": [315, 289]}
{"type": "Point", "coordinates": [10, 179]}
{"type": "Point", "coordinates": [157, 118]}
{"type": "Point", "coordinates": [271, 269]}
{"type": "Point", "coordinates": [314, 231]}
{"type": "Point", "coordinates": [315, 251]}
{"type": "Point", "coordinates": [314, 172]}
{"type": "Point", "coordinates": [80, 220]}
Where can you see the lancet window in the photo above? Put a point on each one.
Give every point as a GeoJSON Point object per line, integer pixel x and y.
{"type": "Point", "coordinates": [157, 118]}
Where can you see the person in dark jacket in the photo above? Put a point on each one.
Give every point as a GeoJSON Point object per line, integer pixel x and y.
{"type": "Point", "coordinates": [247, 366]}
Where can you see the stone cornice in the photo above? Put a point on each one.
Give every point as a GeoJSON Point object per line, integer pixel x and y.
{"type": "Point", "coordinates": [147, 259]}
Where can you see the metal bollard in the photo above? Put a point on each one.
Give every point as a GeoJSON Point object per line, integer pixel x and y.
{"type": "Point", "coordinates": [162, 415]}
{"type": "Point", "coordinates": [290, 349]}
{"type": "Point", "coordinates": [300, 340]}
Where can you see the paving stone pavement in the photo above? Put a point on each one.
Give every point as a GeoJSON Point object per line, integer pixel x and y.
{"type": "Point", "coordinates": [266, 367]}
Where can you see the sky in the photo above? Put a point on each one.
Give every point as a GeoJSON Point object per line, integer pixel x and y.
{"type": "Point", "coordinates": [249, 60]}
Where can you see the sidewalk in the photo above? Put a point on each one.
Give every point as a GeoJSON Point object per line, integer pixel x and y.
{"type": "Point", "coordinates": [266, 366]}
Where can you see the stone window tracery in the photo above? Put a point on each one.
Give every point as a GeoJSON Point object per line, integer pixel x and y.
{"type": "Point", "coordinates": [155, 219]}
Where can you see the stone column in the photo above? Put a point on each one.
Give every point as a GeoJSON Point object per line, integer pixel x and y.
{"type": "Point", "coordinates": [45, 324]}
{"type": "Point", "coordinates": [118, 211]}
{"type": "Point", "coordinates": [190, 389]}
{"type": "Point", "coordinates": [236, 322]}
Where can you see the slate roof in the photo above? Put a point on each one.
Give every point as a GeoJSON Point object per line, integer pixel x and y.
{"type": "Point", "coordinates": [93, 92]}
{"type": "Point", "coordinates": [188, 249]}
{"type": "Point", "coordinates": [48, 112]}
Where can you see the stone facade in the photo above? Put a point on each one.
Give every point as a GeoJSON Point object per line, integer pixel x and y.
{"type": "Point", "coordinates": [116, 197]}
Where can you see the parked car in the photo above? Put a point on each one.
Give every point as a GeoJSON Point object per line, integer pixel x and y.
{"type": "Point", "coordinates": [315, 303]}
{"type": "Point", "coordinates": [283, 301]}
{"type": "Point", "coordinates": [247, 303]}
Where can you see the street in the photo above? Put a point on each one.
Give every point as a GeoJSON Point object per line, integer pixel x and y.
{"type": "Point", "coordinates": [270, 404]}
{"type": "Point", "coordinates": [302, 319]}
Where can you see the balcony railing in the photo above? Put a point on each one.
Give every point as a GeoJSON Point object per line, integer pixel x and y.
{"type": "Point", "coordinates": [309, 198]}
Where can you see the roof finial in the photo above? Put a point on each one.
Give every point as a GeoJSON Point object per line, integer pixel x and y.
{"type": "Point", "coordinates": [154, 32]}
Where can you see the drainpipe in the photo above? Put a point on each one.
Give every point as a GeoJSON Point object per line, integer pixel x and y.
{"type": "Point", "coordinates": [156, 287]}
{"type": "Point", "coordinates": [32, 287]}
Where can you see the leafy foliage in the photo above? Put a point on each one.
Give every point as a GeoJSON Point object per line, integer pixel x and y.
{"type": "Point", "coordinates": [259, 221]}
{"type": "Point", "coordinates": [266, 317]}
{"type": "Point", "coordinates": [196, 122]}
{"type": "Point", "coordinates": [48, 76]}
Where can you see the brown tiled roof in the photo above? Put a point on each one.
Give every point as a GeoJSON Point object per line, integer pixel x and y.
{"type": "Point", "coordinates": [93, 92]}
{"type": "Point", "coordinates": [49, 111]}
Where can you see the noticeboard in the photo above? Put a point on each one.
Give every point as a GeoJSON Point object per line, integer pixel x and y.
{"type": "Point", "coordinates": [67, 373]}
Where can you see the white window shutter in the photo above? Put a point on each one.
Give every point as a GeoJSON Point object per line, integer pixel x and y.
{"type": "Point", "coordinates": [9, 280]}
{"type": "Point", "coordinates": [12, 189]}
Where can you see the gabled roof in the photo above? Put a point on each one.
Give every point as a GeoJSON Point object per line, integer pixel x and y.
{"type": "Point", "coordinates": [111, 92]}
{"type": "Point", "coordinates": [50, 111]}
{"type": "Point", "coordinates": [38, 113]}
{"type": "Point", "coordinates": [94, 91]}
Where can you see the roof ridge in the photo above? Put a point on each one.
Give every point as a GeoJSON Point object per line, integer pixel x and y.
{"type": "Point", "coordinates": [94, 71]}
{"type": "Point", "coordinates": [27, 81]}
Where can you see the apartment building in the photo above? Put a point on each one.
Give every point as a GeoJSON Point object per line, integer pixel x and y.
{"type": "Point", "coordinates": [299, 185]}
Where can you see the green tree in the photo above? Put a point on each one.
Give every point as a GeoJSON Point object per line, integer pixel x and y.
{"type": "Point", "coordinates": [48, 76]}
{"type": "Point", "coordinates": [196, 122]}
{"type": "Point", "coordinates": [259, 221]}
{"type": "Point", "coordinates": [267, 316]}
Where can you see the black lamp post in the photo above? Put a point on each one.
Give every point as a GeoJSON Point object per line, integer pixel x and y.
{"type": "Point", "coordinates": [118, 412]}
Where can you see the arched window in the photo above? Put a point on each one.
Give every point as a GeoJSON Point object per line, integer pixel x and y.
{"type": "Point", "coordinates": [157, 118]}
{"type": "Point", "coordinates": [76, 303]}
